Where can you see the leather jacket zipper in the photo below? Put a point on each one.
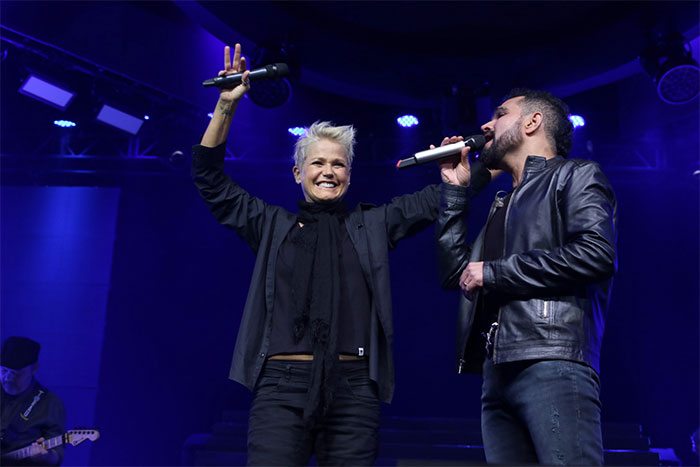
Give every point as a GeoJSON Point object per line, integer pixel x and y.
{"type": "Point", "coordinates": [505, 236]}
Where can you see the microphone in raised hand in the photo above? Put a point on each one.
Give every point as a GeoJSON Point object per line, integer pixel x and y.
{"type": "Point", "coordinates": [275, 70]}
{"type": "Point", "coordinates": [474, 142]}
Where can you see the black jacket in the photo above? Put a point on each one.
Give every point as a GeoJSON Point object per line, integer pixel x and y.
{"type": "Point", "coordinates": [556, 271]}
{"type": "Point", "coordinates": [372, 230]}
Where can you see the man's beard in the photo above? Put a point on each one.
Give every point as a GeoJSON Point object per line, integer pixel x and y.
{"type": "Point", "coordinates": [492, 157]}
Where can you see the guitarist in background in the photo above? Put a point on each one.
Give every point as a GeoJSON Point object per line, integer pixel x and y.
{"type": "Point", "coordinates": [29, 413]}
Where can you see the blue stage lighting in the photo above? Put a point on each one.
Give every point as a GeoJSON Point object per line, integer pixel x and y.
{"type": "Point", "coordinates": [146, 117]}
{"type": "Point", "coordinates": [407, 121]}
{"type": "Point", "coordinates": [46, 92]}
{"type": "Point", "coordinates": [119, 119]}
{"type": "Point", "coordinates": [297, 131]}
{"type": "Point", "coordinates": [64, 123]}
{"type": "Point", "coordinates": [577, 121]}
{"type": "Point", "coordinates": [210, 115]}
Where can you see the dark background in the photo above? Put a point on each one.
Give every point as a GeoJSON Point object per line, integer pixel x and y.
{"type": "Point", "coordinates": [111, 260]}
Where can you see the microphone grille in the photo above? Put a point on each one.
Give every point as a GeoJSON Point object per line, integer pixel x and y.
{"type": "Point", "coordinates": [279, 69]}
{"type": "Point", "coordinates": [476, 142]}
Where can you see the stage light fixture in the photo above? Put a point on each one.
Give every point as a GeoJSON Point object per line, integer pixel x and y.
{"type": "Point", "coordinates": [270, 93]}
{"type": "Point", "coordinates": [119, 119]}
{"type": "Point", "coordinates": [46, 92]}
{"type": "Point", "coordinates": [177, 159]}
{"type": "Point", "coordinates": [668, 59]}
{"type": "Point", "coordinates": [407, 121]}
{"type": "Point", "coordinates": [64, 123]}
{"type": "Point", "coordinates": [577, 121]}
{"type": "Point", "coordinates": [297, 131]}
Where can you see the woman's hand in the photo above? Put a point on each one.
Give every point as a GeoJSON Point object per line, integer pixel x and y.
{"type": "Point", "coordinates": [220, 123]}
{"type": "Point", "coordinates": [239, 65]}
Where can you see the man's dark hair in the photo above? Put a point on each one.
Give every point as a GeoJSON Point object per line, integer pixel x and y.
{"type": "Point", "coordinates": [557, 126]}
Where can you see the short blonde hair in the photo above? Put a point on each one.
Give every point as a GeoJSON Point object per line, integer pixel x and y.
{"type": "Point", "coordinates": [343, 135]}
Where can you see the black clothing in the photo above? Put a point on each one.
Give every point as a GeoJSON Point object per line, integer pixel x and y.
{"type": "Point", "coordinates": [282, 337]}
{"type": "Point", "coordinates": [494, 239]}
{"type": "Point", "coordinates": [495, 229]}
{"type": "Point", "coordinates": [355, 302]}
{"type": "Point", "coordinates": [556, 270]}
{"type": "Point", "coordinates": [372, 230]}
{"type": "Point", "coordinates": [316, 297]}
{"type": "Point", "coordinates": [347, 435]}
{"type": "Point", "coordinates": [26, 417]}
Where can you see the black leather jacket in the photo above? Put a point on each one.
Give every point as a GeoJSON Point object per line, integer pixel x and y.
{"type": "Point", "coordinates": [556, 271]}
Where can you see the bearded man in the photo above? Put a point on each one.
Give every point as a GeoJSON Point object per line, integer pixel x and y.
{"type": "Point", "coordinates": [536, 285]}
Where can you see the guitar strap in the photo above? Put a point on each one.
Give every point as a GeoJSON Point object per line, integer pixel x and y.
{"type": "Point", "coordinates": [37, 398]}
{"type": "Point", "coordinates": [18, 412]}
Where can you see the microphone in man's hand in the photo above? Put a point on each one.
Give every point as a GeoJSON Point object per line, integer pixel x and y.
{"type": "Point", "coordinates": [475, 142]}
{"type": "Point", "coordinates": [276, 70]}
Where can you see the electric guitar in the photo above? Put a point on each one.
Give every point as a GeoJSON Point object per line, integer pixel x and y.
{"type": "Point", "coordinates": [74, 437]}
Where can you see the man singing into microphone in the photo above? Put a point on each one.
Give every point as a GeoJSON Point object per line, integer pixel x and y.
{"type": "Point", "coordinates": [536, 284]}
{"type": "Point", "coordinates": [315, 340]}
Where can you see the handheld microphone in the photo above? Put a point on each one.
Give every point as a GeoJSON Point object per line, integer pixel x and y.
{"type": "Point", "coordinates": [276, 70]}
{"type": "Point", "coordinates": [475, 142]}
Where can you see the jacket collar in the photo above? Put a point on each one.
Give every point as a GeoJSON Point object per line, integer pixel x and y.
{"type": "Point", "coordinates": [538, 163]}
{"type": "Point", "coordinates": [535, 164]}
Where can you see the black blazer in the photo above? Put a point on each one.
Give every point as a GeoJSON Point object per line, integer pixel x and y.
{"type": "Point", "coordinates": [374, 230]}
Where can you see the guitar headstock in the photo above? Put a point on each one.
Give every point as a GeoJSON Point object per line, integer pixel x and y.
{"type": "Point", "coordinates": [77, 436]}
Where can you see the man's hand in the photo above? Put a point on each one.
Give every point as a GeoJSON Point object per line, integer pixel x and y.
{"type": "Point", "coordinates": [42, 455]}
{"type": "Point", "coordinates": [455, 170]}
{"type": "Point", "coordinates": [472, 279]}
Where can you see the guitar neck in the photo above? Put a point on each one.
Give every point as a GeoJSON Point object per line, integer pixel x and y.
{"type": "Point", "coordinates": [33, 450]}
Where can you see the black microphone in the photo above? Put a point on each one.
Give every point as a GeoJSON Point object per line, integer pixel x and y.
{"type": "Point", "coordinates": [276, 70]}
{"type": "Point", "coordinates": [475, 142]}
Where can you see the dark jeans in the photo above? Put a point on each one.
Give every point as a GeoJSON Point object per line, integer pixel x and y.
{"type": "Point", "coordinates": [347, 435]}
{"type": "Point", "coordinates": [541, 411]}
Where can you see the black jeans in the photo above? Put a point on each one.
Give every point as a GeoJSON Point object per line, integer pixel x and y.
{"type": "Point", "coordinates": [347, 435]}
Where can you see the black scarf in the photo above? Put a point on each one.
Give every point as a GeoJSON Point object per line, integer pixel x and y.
{"type": "Point", "coordinates": [316, 297]}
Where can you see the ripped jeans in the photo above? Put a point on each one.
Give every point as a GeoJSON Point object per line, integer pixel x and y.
{"type": "Point", "coordinates": [541, 411]}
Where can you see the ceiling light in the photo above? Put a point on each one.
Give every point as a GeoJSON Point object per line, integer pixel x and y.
{"type": "Point", "coordinates": [46, 92]}
{"type": "Point", "coordinates": [669, 61]}
{"type": "Point", "coordinates": [407, 121]}
{"type": "Point", "coordinates": [119, 119]}
{"type": "Point", "coordinates": [64, 123]}
{"type": "Point", "coordinates": [270, 93]}
{"type": "Point", "coordinates": [577, 121]}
